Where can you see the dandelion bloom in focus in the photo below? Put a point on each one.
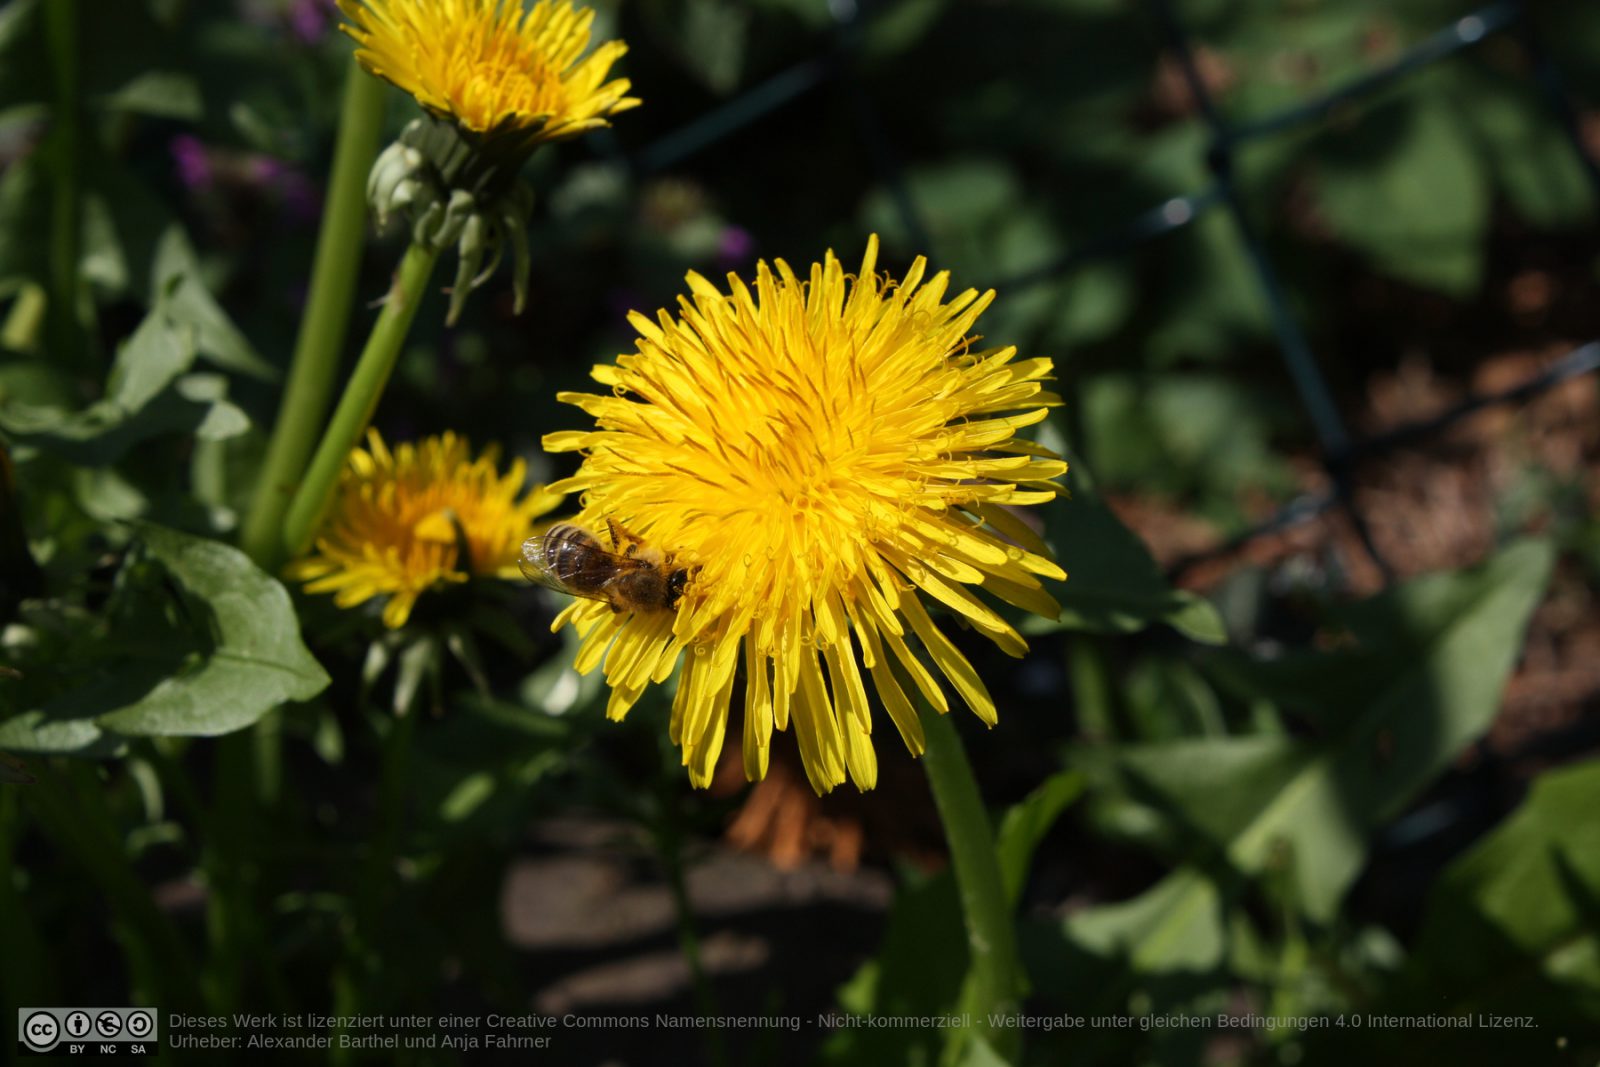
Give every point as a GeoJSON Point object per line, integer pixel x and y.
{"type": "Point", "coordinates": [820, 455]}
{"type": "Point", "coordinates": [490, 66]}
{"type": "Point", "coordinates": [422, 516]}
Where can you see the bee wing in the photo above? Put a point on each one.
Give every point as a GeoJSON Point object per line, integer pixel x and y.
{"type": "Point", "coordinates": [585, 573]}
{"type": "Point", "coordinates": [534, 567]}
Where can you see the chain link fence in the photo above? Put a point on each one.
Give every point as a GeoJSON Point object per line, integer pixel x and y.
{"type": "Point", "coordinates": [1339, 450]}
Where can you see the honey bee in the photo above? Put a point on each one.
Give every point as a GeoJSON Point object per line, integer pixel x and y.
{"type": "Point", "coordinates": [635, 577]}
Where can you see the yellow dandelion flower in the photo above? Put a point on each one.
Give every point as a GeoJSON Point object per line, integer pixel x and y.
{"type": "Point", "coordinates": [817, 455]}
{"type": "Point", "coordinates": [489, 65]}
{"type": "Point", "coordinates": [424, 515]}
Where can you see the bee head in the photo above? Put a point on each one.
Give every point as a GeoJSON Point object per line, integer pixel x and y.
{"type": "Point", "coordinates": [677, 581]}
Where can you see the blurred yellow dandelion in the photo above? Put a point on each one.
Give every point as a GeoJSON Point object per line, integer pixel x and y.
{"type": "Point", "coordinates": [490, 66]}
{"type": "Point", "coordinates": [816, 455]}
{"type": "Point", "coordinates": [424, 515]}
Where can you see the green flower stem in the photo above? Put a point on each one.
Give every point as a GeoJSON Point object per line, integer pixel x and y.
{"type": "Point", "coordinates": [322, 330]}
{"type": "Point", "coordinates": [360, 398]}
{"type": "Point", "coordinates": [995, 981]}
{"type": "Point", "coordinates": [65, 309]}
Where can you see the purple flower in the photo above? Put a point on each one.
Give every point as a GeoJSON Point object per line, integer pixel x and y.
{"type": "Point", "coordinates": [192, 162]}
{"type": "Point", "coordinates": [308, 19]}
{"type": "Point", "coordinates": [734, 246]}
{"type": "Point", "coordinates": [298, 194]}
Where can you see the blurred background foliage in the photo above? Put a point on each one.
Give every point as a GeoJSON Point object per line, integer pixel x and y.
{"type": "Point", "coordinates": [1283, 779]}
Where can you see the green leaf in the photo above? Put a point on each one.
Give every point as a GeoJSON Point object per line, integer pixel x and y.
{"type": "Point", "coordinates": [1530, 155]}
{"type": "Point", "coordinates": [148, 394]}
{"type": "Point", "coordinates": [161, 93]}
{"type": "Point", "coordinates": [1113, 584]}
{"type": "Point", "coordinates": [1176, 925]}
{"type": "Point", "coordinates": [1026, 823]}
{"type": "Point", "coordinates": [1412, 193]}
{"type": "Point", "coordinates": [1512, 929]}
{"type": "Point", "coordinates": [256, 660]}
{"type": "Point", "coordinates": [475, 768]}
{"type": "Point", "coordinates": [176, 279]}
{"type": "Point", "coordinates": [977, 1052]}
{"type": "Point", "coordinates": [714, 34]}
{"type": "Point", "coordinates": [1450, 642]}
{"type": "Point", "coordinates": [1186, 435]}
{"type": "Point", "coordinates": [123, 224]}
{"type": "Point", "coordinates": [1523, 904]}
{"type": "Point", "coordinates": [196, 642]}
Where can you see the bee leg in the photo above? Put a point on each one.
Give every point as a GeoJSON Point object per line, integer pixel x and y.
{"type": "Point", "coordinates": [621, 540]}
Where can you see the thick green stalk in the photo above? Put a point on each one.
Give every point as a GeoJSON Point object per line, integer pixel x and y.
{"type": "Point", "coordinates": [327, 316]}
{"type": "Point", "coordinates": [66, 207]}
{"type": "Point", "coordinates": [995, 981]}
{"type": "Point", "coordinates": [360, 398]}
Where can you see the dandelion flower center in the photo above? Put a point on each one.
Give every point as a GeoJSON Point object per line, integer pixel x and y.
{"type": "Point", "coordinates": [823, 453]}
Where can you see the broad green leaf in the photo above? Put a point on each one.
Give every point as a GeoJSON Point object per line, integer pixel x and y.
{"type": "Point", "coordinates": [161, 93]}
{"type": "Point", "coordinates": [68, 724]}
{"type": "Point", "coordinates": [1113, 584]}
{"type": "Point", "coordinates": [1529, 153]}
{"type": "Point", "coordinates": [1525, 901]}
{"type": "Point", "coordinates": [1204, 436]}
{"type": "Point", "coordinates": [714, 34]}
{"type": "Point", "coordinates": [1092, 302]}
{"type": "Point", "coordinates": [101, 260]}
{"type": "Point", "coordinates": [900, 27]}
{"type": "Point", "coordinates": [474, 769]}
{"type": "Point", "coordinates": [137, 405]}
{"type": "Point", "coordinates": [1511, 932]}
{"type": "Point", "coordinates": [977, 1052]}
{"type": "Point", "coordinates": [176, 279]}
{"type": "Point", "coordinates": [1409, 190]}
{"type": "Point", "coordinates": [1027, 822]}
{"type": "Point", "coordinates": [256, 659]}
{"type": "Point", "coordinates": [148, 394]}
{"type": "Point", "coordinates": [196, 642]}
{"type": "Point", "coordinates": [1176, 925]}
{"type": "Point", "coordinates": [148, 363]}
{"type": "Point", "coordinates": [124, 221]}
{"type": "Point", "coordinates": [1453, 639]}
